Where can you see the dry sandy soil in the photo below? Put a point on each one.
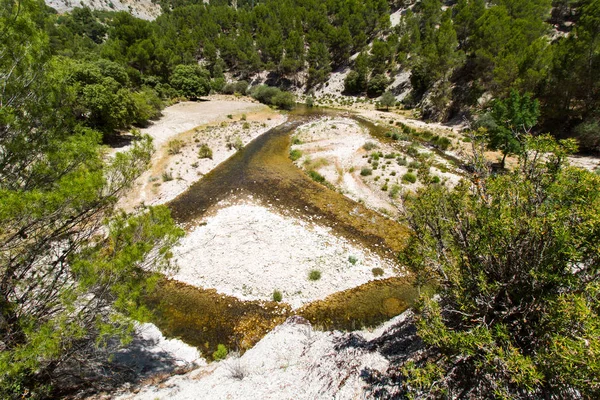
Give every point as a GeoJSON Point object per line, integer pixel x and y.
{"type": "Point", "coordinates": [248, 251]}
{"type": "Point", "coordinates": [180, 133]}
{"type": "Point", "coordinates": [335, 147]}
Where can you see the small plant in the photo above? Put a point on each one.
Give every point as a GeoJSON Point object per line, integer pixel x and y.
{"type": "Point", "coordinates": [396, 136]}
{"type": "Point", "coordinates": [435, 179]}
{"type": "Point", "coordinates": [314, 275]}
{"type": "Point", "coordinates": [384, 188]}
{"type": "Point", "coordinates": [246, 125]}
{"type": "Point", "coordinates": [277, 296]}
{"type": "Point", "coordinates": [167, 176]}
{"type": "Point", "coordinates": [229, 116]}
{"type": "Point", "coordinates": [368, 146]}
{"type": "Point", "coordinates": [175, 146]}
{"type": "Point", "coordinates": [295, 154]}
{"type": "Point", "coordinates": [402, 161]}
{"type": "Point", "coordinates": [377, 271]}
{"type": "Point", "coordinates": [235, 143]}
{"type": "Point", "coordinates": [244, 117]}
{"type": "Point", "coordinates": [393, 173]}
{"type": "Point", "coordinates": [409, 178]}
{"type": "Point", "coordinates": [221, 353]}
{"type": "Point", "coordinates": [394, 191]}
{"type": "Point", "coordinates": [366, 171]}
{"type": "Point", "coordinates": [352, 260]}
{"type": "Point", "coordinates": [205, 152]}
{"type": "Point", "coordinates": [296, 140]}
{"type": "Point", "coordinates": [352, 169]}
{"type": "Point", "coordinates": [315, 176]}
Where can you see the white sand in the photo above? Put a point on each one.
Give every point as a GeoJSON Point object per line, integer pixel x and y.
{"type": "Point", "coordinates": [248, 251]}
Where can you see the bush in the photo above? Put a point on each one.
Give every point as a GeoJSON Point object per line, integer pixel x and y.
{"type": "Point", "coordinates": [409, 178]}
{"type": "Point", "coordinates": [221, 353]}
{"type": "Point", "coordinates": [246, 125]}
{"type": "Point", "coordinates": [295, 154]}
{"type": "Point", "coordinates": [377, 85]}
{"type": "Point", "coordinates": [352, 260]}
{"type": "Point", "coordinates": [190, 81]}
{"type": "Point", "coordinates": [366, 171]}
{"type": "Point", "coordinates": [315, 176]}
{"type": "Point", "coordinates": [377, 271]}
{"type": "Point", "coordinates": [205, 152]}
{"type": "Point", "coordinates": [368, 146]}
{"type": "Point", "coordinates": [240, 87]}
{"type": "Point", "coordinates": [174, 146]}
{"type": "Point", "coordinates": [394, 191]}
{"type": "Point", "coordinates": [264, 93]}
{"type": "Point", "coordinates": [236, 143]}
{"type": "Point", "coordinates": [314, 275]}
{"type": "Point", "coordinates": [167, 176]}
{"type": "Point", "coordinates": [277, 296]}
{"type": "Point", "coordinates": [284, 100]}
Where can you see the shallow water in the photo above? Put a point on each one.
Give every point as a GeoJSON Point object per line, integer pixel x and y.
{"type": "Point", "coordinates": [264, 171]}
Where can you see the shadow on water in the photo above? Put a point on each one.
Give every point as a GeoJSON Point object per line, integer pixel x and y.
{"type": "Point", "coordinates": [204, 318]}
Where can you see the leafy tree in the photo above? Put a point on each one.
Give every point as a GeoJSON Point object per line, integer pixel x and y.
{"type": "Point", "coordinates": [387, 100]}
{"type": "Point", "coordinates": [377, 85]}
{"type": "Point", "coordinates": [319, 63]}
{"type": "Point", "coordinates": [191, 81]}
{"type": "Point", "coordinates": [72, 270]}
{"type": "Point", "coordinates": [514, 261]}
{"type": "Point", "coordinates": [509, 121]}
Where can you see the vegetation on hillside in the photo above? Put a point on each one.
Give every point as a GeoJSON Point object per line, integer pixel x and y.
{"type": "Point", "coordinates": [514, 256]}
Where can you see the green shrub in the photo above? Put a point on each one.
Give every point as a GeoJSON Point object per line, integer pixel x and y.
{"type": "Point", "coordinates": [384, 188]}
{"type": "Point", "coordinates": [246, 125]}
{"type": "Point", "coordinates": [167, 176]}
{"type": "Point", "coordinates": [205, 152]}
{"type": "Point", "coordinates": [352, 260]}
{"type": "Point", "coordinates": [221, 352]}
{"type": "Point", "coordinates": [314, 275]}
{"type": "Point", "coordinates": [435, 179]}
{"type": "Point", "coordinates": [409, 178]}
{"type": "Point", "coordinates": [295, 154]}
{"type": "Point", "coordinates": [296, 140]}
{"type": "Point", "coordinates": [277, 296]}
{"type": "Point", "coordinates": [377, 271]}
{"type": "Point", "coordinates": [394, 191]}
{"type": "Point", "coordinates": [366, 171]}
{"type": "Point", "coordinates": [175, 146]}
{"type": "Point", "coordinates": [315, 176]}
{"type": "Point", "coordinates": [402, 161]}
{"type": "Point", "coordinates": [368, 146]}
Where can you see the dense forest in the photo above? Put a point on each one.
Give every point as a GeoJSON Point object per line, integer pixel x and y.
{"type": "Point", "coordinates": [72, 82]}
{"type": "Point", "coordinates": [459, 54]}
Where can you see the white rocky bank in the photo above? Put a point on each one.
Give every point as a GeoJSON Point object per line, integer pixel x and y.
{"type": "Point", "coordinates": [292, 362]}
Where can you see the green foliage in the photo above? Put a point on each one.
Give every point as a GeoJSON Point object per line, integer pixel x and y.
{"type": "Point", "coordinates": [190, 81]}
{"type": "Point", "coordinates": [366, 171]}
{"type": "Point", "coordinates": [387, 100]}
{"type": "Point", "coordinates": [205, 152]}
{"type": "Point", "coordinates": [273, 96]}
{"type": "Point", "coordinates": [315, 176]}
{"type": "Point", "coordinates": [220, 353]}
{"type": "Point", "coordinates": [314, 275]}
{"type": "Point", "coordinates": [517, 279]}
{"type": "Point", "coordinates": [368, 146]}
{"type": "Point", "coordinates": [352, 260]}
{"type": "Point", "coordinates": [295, 154]}
{"type": "Point", "coordinates": [377, 272]}
{"type": "Point", "coordinates": [377, 85]}
{"type": "Point", "coordinates": [409, 177]}
{"type": "Point", "coordinates": [509, 121]}
{"type": "Point", "coordinates": [174, 146]}
{"type": "Point", "coordinates": [277, 296]}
